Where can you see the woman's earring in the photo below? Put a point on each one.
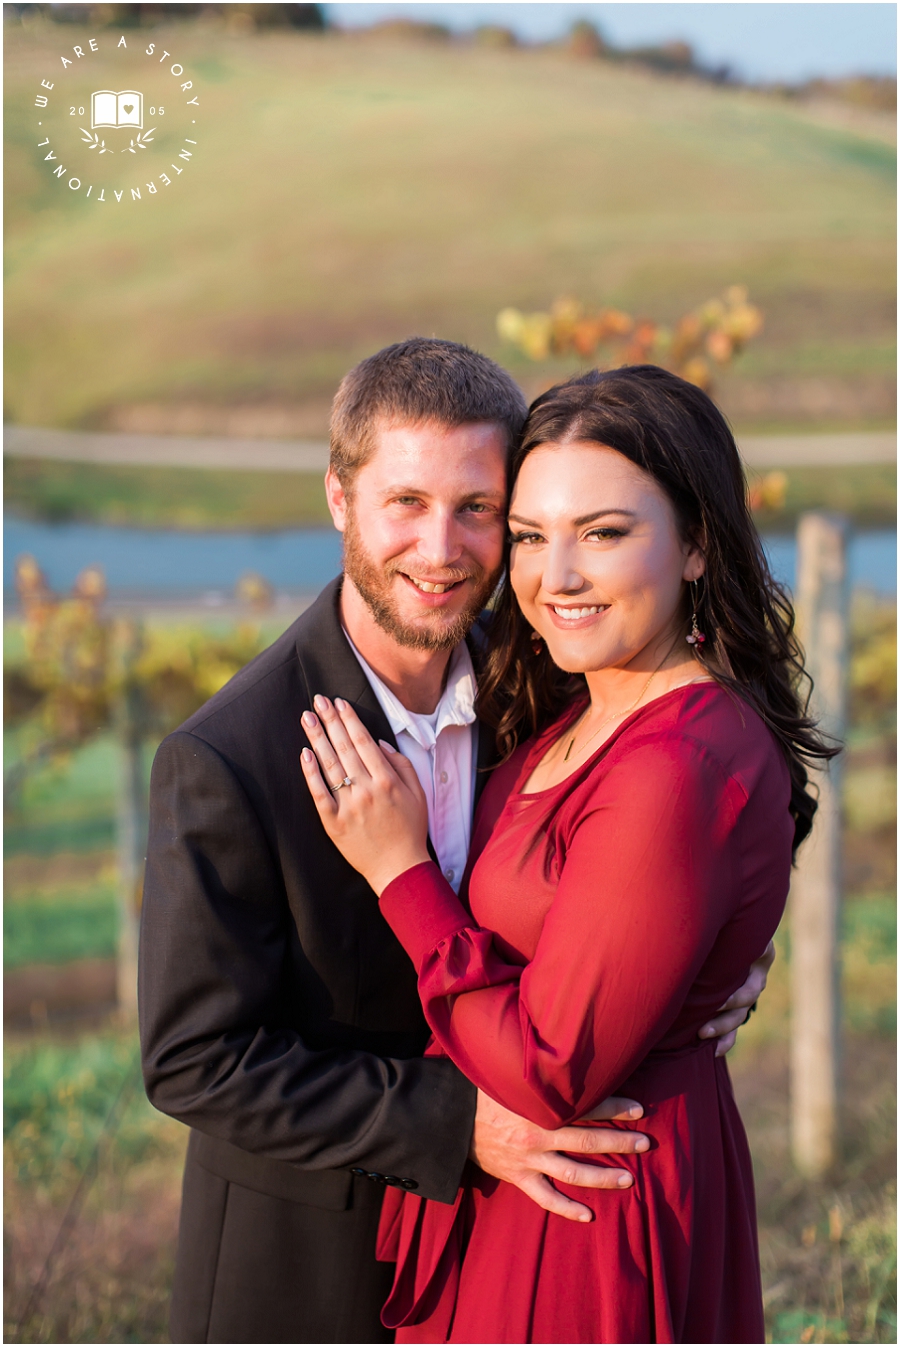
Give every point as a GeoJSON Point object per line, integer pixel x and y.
{"type": "Point", "coordinates": [696, 636]}
{"type": "Point", "coordinates": [537, 642]}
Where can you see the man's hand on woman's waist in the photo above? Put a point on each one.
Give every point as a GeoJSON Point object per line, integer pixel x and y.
{"type": "Point", "coordinates": [519, 1152]}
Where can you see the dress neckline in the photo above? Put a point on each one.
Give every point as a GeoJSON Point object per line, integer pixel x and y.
{"type": "Point", "coordinates": [558, 726]}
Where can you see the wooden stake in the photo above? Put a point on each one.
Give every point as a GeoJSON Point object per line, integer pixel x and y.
{"type": "Point", "coordinates": [131, 828]}
{"type": "Point", "coordinates": [822, 625]}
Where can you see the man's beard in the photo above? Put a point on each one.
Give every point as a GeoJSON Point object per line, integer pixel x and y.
{"type": "Point", "coordinates": [374, 584]}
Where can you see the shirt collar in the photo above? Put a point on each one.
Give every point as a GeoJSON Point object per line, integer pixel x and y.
{"type": "Point", "coordinates": [456, 706]}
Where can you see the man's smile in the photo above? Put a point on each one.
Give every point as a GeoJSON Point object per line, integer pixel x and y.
{"type": "Point", "coordinates": [429, 587]}
{"type": "Point", "coordinates": [435, 593]}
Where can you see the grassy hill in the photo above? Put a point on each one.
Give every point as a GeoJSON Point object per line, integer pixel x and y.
{"type": "Point", "coordinates": [349, 190]}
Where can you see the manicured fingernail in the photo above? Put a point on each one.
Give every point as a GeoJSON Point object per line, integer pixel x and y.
{"type": "Point", "coordinates": [388, 748]}
{"type": "Point", "coordinates": [586, 1217]}
{"type": "Point", "coordinates": [635, 1112]}
{"type": "Point", "coordinates": [309, 720]}
{"type": "Point", "coordinates": [642, 1144]}
{"type": "Point", "coordinates": [340, 703]}
{"type": "Point", "coordinates": [306, 755]}
{"type": "Point", "coordinates": [320, 702]}
{"type": "Point", "coordinates": [624, 1180]}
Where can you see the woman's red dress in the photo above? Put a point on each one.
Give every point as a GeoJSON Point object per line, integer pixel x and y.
{"type": "Point", "coordinates": [610, 917]}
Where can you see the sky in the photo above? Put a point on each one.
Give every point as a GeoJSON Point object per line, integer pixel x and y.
{"type": "Point", "coordinates": [760, 42]}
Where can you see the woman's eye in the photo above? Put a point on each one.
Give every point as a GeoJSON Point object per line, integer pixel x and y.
{"type": "Point", "coordinates": [525, 538]}
{"type": "Point", "coordinates": [604, 534]}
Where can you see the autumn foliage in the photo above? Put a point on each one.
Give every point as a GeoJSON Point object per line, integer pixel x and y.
{"type": "Point", "coordinates": [80, 663]}
{"type": "Point", "coordinates": [703, 339]}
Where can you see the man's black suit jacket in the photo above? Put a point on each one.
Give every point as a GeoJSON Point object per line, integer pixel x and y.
{"type": "Point", "coordinates": [280, 1019]}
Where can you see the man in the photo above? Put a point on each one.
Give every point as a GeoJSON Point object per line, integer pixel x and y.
{"type": "Point", "coordinates": [279, 1015]}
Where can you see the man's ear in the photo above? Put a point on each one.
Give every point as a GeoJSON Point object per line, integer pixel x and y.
{"type": "Point", "coordinates": [337, 500]}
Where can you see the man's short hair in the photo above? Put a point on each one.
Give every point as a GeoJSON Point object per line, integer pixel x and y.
{"type": "Point", "coordinates": [414, 381]}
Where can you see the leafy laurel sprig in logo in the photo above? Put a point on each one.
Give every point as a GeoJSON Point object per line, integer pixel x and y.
{"type": "Point", "coordinates": [94, 142]}
{"type": "Point", "coordinates": [140, 142]}
{"type": "Point", "coordinates": [156, 85]}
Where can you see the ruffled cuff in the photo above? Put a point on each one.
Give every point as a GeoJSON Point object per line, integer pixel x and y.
{"type": "Point", "coordinates": [422, 910]}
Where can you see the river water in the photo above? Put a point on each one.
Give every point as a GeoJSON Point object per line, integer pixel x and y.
{"type": "Point", "coordinates": [160, 564]}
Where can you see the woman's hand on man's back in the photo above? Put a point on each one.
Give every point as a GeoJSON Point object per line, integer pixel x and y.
{"type": "Point", "coordinates": [739, 1007]}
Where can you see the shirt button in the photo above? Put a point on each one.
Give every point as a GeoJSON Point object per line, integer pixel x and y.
{"type": "Point", "coordinates": [450, 874]}
{"type": "Point", "coordinates": [444, 778]}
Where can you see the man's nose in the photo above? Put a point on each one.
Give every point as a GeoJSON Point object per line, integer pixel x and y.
{"type": "Point", "coordinates": [440, 539]}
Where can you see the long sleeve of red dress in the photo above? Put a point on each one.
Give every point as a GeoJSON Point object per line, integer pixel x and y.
{"type": "Point", "coordinates": [645, 880]}
{"type": "Point", "coordinates": [608, 918]}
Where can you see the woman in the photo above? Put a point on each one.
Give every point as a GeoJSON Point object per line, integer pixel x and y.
{"type": "Point", "coordinates": [630, 857]}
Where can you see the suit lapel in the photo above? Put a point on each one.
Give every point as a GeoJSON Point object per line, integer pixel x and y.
{"type": "Point", "coordinates": [330, 667]}
{"type": "Point", "coordinates": [486, 751]}
{"type": "Point", "coordinates": [486, 759]}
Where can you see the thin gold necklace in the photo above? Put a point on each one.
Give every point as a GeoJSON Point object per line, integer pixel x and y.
{"type": "Point", "coordinates": [617, 714]}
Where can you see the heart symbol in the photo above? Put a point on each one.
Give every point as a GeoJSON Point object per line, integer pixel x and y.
{"type": "Point", "coordinates": [129, 107]}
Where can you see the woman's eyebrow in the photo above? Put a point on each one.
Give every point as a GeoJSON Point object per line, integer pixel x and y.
{"type": "Point", "coordinates": [598, 514]}
{"type": "Point", "coordinates": [582, 519]}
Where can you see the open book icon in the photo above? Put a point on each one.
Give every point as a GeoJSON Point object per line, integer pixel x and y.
{"type": "Point", "coordinates": [112, 109]}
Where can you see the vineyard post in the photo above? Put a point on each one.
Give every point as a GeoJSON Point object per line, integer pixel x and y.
{"type": "Point", "coordinates": [131, 822]}
{"type": "Point", "coordinates": [822, 625]}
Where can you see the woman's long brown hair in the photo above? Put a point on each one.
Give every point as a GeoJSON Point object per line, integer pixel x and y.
{"type": "Point", "coordinates": [677, 435]}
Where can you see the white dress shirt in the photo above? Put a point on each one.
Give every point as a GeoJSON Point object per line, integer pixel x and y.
{"type": "Point", "coordinates": [441, 747]}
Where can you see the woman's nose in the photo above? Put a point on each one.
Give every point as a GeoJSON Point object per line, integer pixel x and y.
{"type": "Point", "coordinates": [561, 574]}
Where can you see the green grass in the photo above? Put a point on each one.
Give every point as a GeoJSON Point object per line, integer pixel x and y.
{"type": "Point", "coordinates": [66, 806]}
{"type": "Point", "coordinates": [77, 923]}
{"type": "Point", "coordinates": [198, 498]}
{"type": "Point", "coordinates": [869, 943]}
{"type": "Point", "coordinates": [112, 1284]}
{"type": "Point", "coordinates": [56, 1096]}
{"type": "Point", "coordinates": [58, 1092]}
{"type": "Point", "coordinates": [866, 493]}
{"type": "Point", "coordinates": [348, 191]}
{"type": "Point", "coordinates": [188, 498]}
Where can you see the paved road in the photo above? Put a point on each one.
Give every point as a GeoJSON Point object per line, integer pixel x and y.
{"type": "Point", "coordinates": [759, 451]}
{"type": "Point", "coordinates": [795, 451]}
{"type": "Point", "coordinates": [171, 451]}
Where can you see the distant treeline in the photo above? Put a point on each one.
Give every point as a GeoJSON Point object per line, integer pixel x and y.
{"type": "Point", "coordinates": [141, 15]}
{"type": "Point", "coordinates": [583, 42]}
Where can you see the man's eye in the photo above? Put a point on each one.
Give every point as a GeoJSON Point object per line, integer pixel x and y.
{"type": "Point", "coordinates": [477, 507]}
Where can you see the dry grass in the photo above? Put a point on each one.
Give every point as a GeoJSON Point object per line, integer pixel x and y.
{"type": "Point", "coordinates": [109, 1279]}
{"type": "Point", "coordinates": [112, 1281]}
{"type": "Point", "coordinates": [347, 192]}
{"type": "Point", "coordinates": [828, 1249]}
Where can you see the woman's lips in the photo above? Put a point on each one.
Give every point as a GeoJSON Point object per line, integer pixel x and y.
{"type": "Point", "coordinates": [574, 617]}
